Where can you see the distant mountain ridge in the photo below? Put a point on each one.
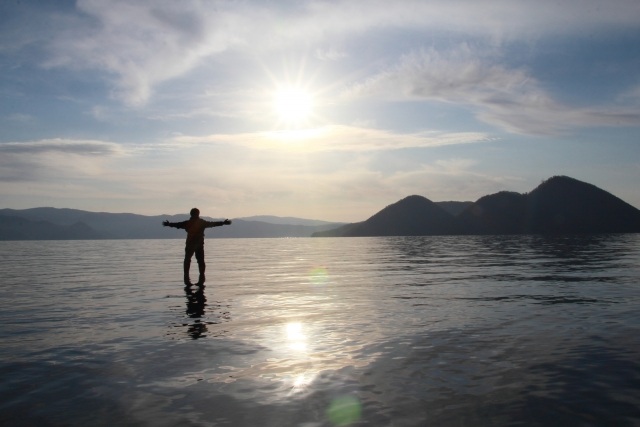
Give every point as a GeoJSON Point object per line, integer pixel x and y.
{"type": "Point", "coordinates": [17, 228]}
{"type": "Point", "coordinates": [285, 220]}
{"type": "Point", "coordinates": [72, 224]}
{"type": "Point", "coordinates": [559, 205]}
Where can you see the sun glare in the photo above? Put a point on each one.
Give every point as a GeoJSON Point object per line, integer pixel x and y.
{"type": "Point", "coordinates": [293, 105]}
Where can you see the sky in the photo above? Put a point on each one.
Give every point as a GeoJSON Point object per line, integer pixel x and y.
{"type": "Point", "coordinates": [326, 110]}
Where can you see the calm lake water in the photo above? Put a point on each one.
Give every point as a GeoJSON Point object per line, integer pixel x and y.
{"type": "Point", "coordinates": [422, 331]}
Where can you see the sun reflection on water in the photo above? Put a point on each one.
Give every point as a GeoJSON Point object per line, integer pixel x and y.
{"type": "Point", "coordinates": [296, 338]}
{"type": "Point", "coordinates": [303, 345]}
{"type": "Point", "coordinates": [302, 382]}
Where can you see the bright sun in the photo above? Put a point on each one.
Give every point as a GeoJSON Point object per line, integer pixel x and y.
{"type": "Point", "coordinates": [293, 105]}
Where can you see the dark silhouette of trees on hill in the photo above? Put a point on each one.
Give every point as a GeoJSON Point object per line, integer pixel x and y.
{"type": "Point", "coordinates": [559, 205]}
{"type": "Point", "coordinates": [566, 205]}
{"type": "Point", "coordinates": [411, 216]}
{"type": "Point", "coordinates": [500, 213]}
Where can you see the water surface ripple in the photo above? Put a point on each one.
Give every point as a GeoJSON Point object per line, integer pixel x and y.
{"type": "Point", "coordinates": [397, 331]}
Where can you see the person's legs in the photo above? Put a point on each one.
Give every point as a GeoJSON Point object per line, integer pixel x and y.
{"type": "Point", "coordinates": [188, 253]}
{"type": "Point", "coordinates": [201, 264]}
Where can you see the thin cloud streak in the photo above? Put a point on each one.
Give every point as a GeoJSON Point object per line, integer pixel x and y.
{"type": "Point", "coordinates": [65, 146]}
{"type": "Point", "coordinates": [57, 161]}
{"type": "Point", "coordinates": [337, 138]}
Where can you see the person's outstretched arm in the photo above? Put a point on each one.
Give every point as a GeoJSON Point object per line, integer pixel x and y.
{"type": "Point", "coordinates": [173, 224]}
{"type": "Point", "coordinates": [218, 223]}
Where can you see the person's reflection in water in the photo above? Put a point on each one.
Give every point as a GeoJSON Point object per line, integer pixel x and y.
{"type": "Point", "coordinates": [196, 303]}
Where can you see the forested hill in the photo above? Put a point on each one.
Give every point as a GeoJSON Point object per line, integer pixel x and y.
{"type": "Point", "coordinates": [559, 205]}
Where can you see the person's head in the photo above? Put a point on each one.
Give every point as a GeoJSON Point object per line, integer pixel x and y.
{"type": "Point", "coordinates": [195, 213]}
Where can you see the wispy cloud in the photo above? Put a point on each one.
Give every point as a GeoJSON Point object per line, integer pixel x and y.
{"type": "Point", "coordinates": [20, 118]}
{"type": "Point", "coordinates": [444, 177]}
{"type": "Point", "coordinates": [55, 160]}
{"type": "Point", "coordinates": [331, 54]}
{"type": "Point", "coordinates": [337, 138]}
{"type": "Point", "coordinates": [494, 18]}
{"type": "Point", "coordinates": [64, 146]}
{"type": "Point", "coordinates": [509, 98]}
{"type": "Point", "coordinates": [144, 43]}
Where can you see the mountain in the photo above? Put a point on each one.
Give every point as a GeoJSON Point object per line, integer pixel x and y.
{"type": "Point", "coordinates": [500, 213]}
{"type": "Point", "coordinates": [411, 216]}
{"type": "Point", "coordinates": [16, 228]}
{"type": "Point", "coordinates": [558, 205]}
{"type": "Point", "coordinates": [98, 224]}
{"type": "Point", "coordinates": [52, 223]}
{"type": "Point", "coordinates": [454, 208]}
{"type": "Point", "coordinates": [563, 204]}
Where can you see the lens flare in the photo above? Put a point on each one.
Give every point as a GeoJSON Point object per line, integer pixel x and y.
{"type": "Point", "coordinates": [344, 410]}
{"type": "Point", "coordinates": [319, 276]}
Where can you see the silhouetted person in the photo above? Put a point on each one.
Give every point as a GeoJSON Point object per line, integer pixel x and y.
{"type": "Point", "coordinates": [195, 227]}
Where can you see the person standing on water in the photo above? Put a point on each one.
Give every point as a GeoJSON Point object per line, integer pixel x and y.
{"type": "Point", "coordinates": [195, 227]}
